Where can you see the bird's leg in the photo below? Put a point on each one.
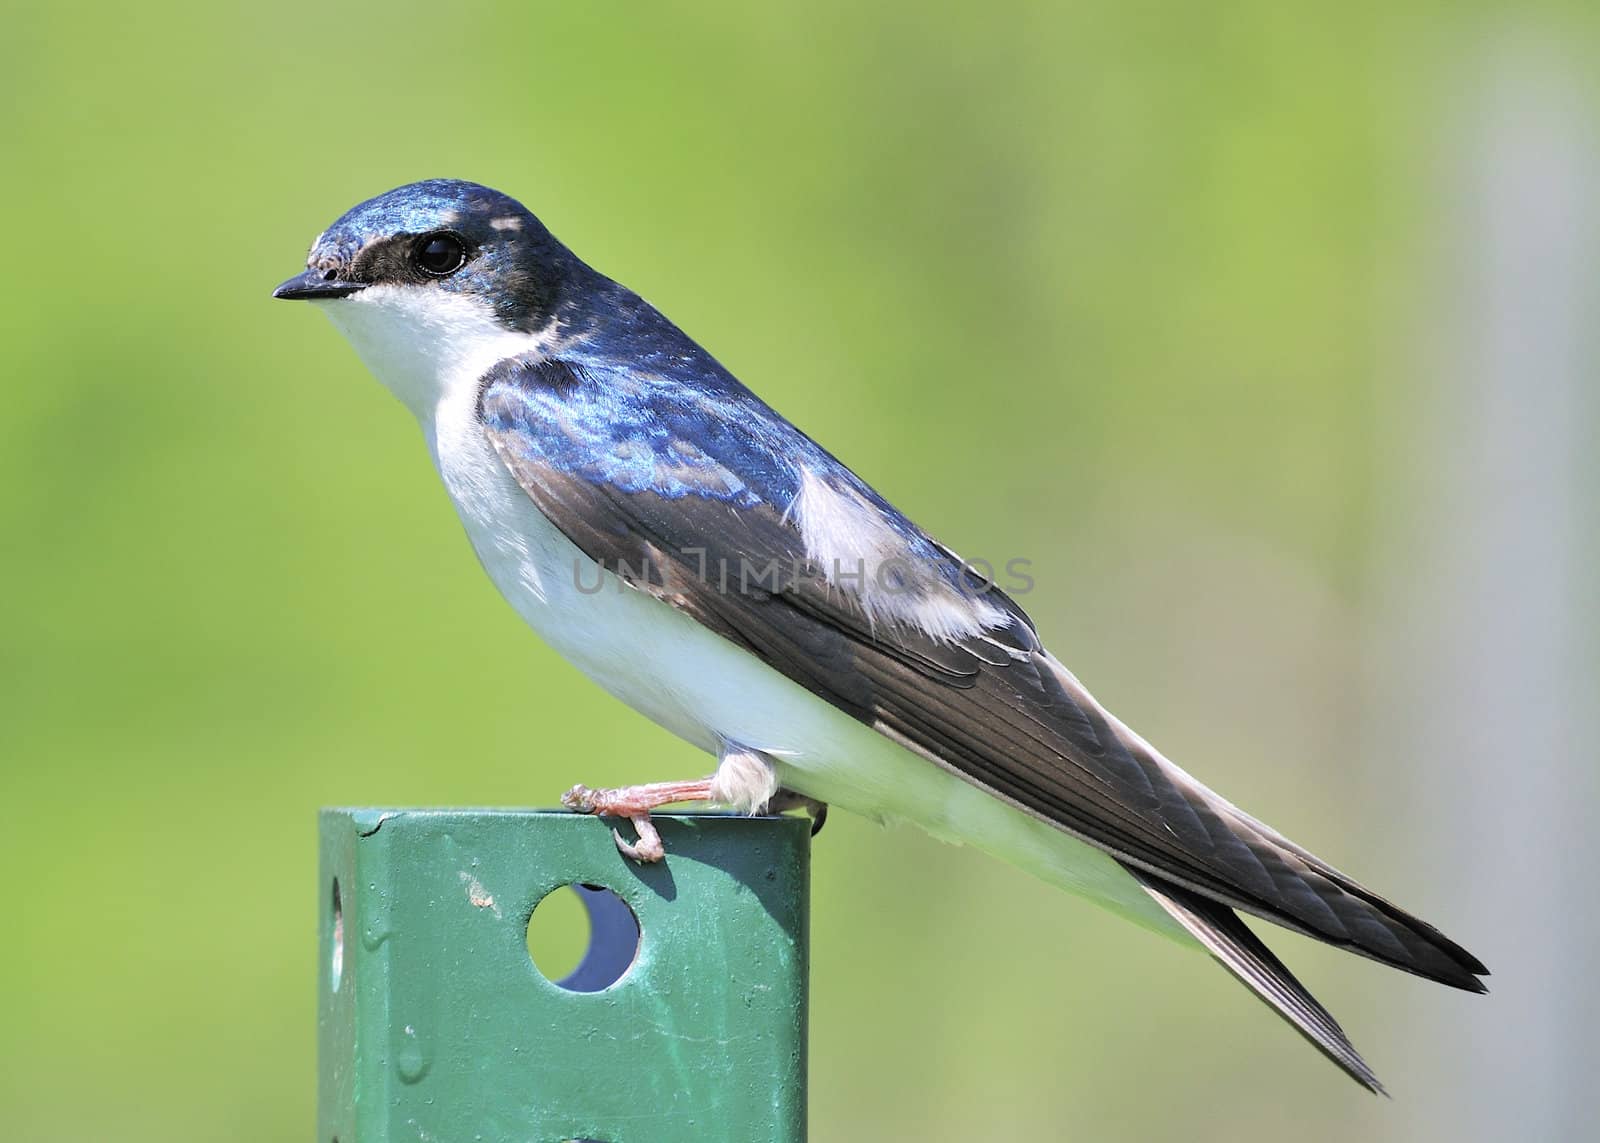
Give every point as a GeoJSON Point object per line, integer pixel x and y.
{"type": "Point", "coordinates": [786, 799]}
{"type": "Point", "coordinates": [745, 780]}
{"type": "Point", "coordinates": [635, 804]}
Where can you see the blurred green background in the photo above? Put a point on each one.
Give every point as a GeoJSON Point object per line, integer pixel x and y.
{"type": "Point", "coordinates": [1266, 336]}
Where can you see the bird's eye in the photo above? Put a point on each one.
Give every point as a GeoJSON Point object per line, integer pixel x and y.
{"type": "Point", "coordinates": [439, 254]}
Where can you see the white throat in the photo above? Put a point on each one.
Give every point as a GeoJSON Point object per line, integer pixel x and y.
{"type": "Point", "coordinates": [424, 344]}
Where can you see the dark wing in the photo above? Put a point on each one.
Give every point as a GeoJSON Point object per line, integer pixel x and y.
{"type": "Point", "coordinates": [993, 706]}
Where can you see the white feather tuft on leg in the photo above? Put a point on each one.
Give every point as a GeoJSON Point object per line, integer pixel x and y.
{"type": "Point", "coordinates": [745, 779]}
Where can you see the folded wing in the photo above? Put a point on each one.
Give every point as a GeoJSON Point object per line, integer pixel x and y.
{"type": "Point", "coordinates": [678, 508]}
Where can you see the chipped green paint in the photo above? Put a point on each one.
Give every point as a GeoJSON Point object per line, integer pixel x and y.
{"type": "Point", "coordinates": [435, 1025]}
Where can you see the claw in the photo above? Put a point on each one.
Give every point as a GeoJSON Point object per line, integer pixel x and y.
{"type": "Point", "coordinates": [819, 817]}
{"type": "Point", "coordinates": [648, 849]}
{"type": "Point", "coordinates": [786, 799]}
{"type": "Point", "coordinates": [580, 799]}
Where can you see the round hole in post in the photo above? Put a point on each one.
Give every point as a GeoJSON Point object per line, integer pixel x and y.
{"type": "Point", "coordinates": [336, 953]}
{"type": "Point", "coordinates": [583, 940]}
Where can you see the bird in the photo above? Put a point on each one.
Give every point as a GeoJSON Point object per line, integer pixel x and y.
{"type": "Point", "coordinates": [706, 562]}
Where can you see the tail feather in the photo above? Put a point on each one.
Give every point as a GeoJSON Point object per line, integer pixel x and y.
{"type": "Point", "coordinates": [1241, 952]}
{"type": "Point", "coordinates": [1374, 927]}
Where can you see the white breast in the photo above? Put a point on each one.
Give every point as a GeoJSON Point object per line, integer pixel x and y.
{"type": "Point", "coordinates": [629, 643]}
{"type": "Point", "coordinates": [431, 349]}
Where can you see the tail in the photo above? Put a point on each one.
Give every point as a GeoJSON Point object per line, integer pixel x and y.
{"type": "Point", "coordinates": [1241, 952]}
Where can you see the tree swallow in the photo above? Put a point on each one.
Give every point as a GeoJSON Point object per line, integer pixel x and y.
{"type": "Point", "coordinates": [713, 567]}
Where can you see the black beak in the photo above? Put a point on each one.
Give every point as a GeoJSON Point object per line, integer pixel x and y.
{"type": "Point", "coordinates": [316, 284]}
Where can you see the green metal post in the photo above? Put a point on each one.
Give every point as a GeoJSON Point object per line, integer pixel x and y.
{"type": "Point", "coordinates": [435, 1025]}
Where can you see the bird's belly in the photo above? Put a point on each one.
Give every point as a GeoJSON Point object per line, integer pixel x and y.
{"type": "Point", "coordinates": [707, 690]}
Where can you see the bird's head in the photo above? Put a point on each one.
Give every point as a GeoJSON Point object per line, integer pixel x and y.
{"type": "Point", "coordinates": [435, 278]}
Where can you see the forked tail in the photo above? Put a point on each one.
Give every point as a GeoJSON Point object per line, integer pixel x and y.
{"type": "Point", "coordinates": [1241, 952]}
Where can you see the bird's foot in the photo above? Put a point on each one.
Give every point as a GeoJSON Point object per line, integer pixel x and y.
{"type": "Point", "coordinates": [635, 804]}
{"type": "Point", "coordinates": [648, 849]}
{"type": "Point", "coordinates": [786, 799]}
